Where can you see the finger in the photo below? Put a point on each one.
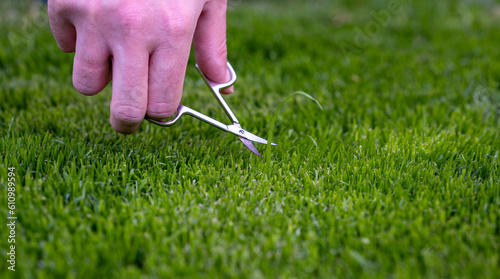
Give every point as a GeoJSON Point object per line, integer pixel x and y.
{"type": "Point", "coordinates": [167, 68]}
{"type": "Point", "coordinates": [63, 30]}
{"type": "Point", "coordinates": [91, 64]}
{"type": "Point", "coordinates": [130, 87]}
{"type": "Point", "coordinates": [210, 43]}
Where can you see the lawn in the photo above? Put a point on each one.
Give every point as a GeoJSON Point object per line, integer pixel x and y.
{"type": "Point", "coordinates": [397, 176]}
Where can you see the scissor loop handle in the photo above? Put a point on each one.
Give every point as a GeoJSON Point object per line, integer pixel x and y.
{"type": "Point", "coordinates": [218, 86]}
{"type": "Point", "coordinates": [180, 111]}
{"type": "Point", "coordinates": [215, 88]}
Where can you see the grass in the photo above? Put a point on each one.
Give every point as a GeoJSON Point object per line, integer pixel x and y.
{"type": "Point", "coordinates": [397, 176]}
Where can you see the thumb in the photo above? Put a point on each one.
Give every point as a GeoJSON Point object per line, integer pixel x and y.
{"type": "Point", "coordinates": [209, 42]}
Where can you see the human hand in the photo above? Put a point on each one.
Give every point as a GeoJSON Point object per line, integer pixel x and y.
{"type": "Point", "coordinates": [143, 46]}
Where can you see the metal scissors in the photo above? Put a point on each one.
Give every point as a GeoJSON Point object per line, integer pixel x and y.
{"type": "Point", "coordinates": [246, 137]}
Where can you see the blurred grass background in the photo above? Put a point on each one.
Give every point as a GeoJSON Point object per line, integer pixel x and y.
{"type": "Point", "coordinates": [398, 176]}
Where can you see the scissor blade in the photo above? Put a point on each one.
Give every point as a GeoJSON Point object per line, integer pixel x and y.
{"type": "Point", "coordinates": [237, 130]}
{"type": "Point", "coordinates": [250, 146]}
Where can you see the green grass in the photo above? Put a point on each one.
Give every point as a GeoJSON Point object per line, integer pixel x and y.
{"type": "Point", "coordinates": [398, 176]}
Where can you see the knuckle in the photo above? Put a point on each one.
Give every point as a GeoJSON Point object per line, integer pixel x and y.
{"type": "Point", "coordinates": [130, 17]}
{"type": "Point", "coordinates": [67, 8]}
{"type": "Point", "coordinates": [58, 6]}
{"type": "Point", "coordinates": [177, 24]}
{"type": "Point", "coordinates": [219, 7]}
{"type": "Point", "coordinates": [85, 86]}
{"type": "Point", "coordinates": [128, 114]}
{"type": "Point", "coordinates": [89, 77]}
{"type": "Point", "coordinates": [178, 27]}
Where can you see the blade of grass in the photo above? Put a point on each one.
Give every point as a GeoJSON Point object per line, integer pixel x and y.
{"type": "Point", "coordinates": [275, 116]}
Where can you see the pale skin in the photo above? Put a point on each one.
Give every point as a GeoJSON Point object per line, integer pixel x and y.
{"type": "Point", "coordinates": [143, 46]}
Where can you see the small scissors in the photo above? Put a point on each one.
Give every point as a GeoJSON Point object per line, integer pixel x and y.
{"type": "Point", "coordinates": [235, 128]}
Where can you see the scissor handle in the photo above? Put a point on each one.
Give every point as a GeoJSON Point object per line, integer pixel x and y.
{"type": "Point", "coordinates": [180, 111]}
{"type": "Point", "coordinates": [216, 87]}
